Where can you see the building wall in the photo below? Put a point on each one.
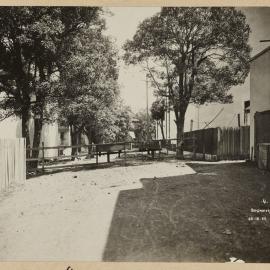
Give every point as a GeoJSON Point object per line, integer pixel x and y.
{"type": "Point", "coordinates": [50, 137]}
{"type": "Point", "coordinates": [65, 139]}
{"type": "Point", "coordinates": [205, 113]}
{"type": "Point", "coordinates": [10, 128]}
{"type": "Point", "coordinates": [259, 89]}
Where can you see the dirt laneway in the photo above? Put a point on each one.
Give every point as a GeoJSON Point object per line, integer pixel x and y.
{"type": "Point", "coordinates": [67, 216]}
{"type": "Point", "coordinates": [160, 211]}
{"type": "Point", "coordinates": [202, 217]}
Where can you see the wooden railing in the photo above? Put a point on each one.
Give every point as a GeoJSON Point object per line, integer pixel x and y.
{"type": "Point", "coordinates": [218, 143]}
{"type": "Point", "coordinates": [100, 149]}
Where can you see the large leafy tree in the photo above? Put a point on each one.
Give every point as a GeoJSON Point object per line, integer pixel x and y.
{"type": "Point", "coordinates": [108, 124]}
{"type": "Point", "coordinates": [32, 40]}
{"type": "Point", "coordinates": [193, 55]}
{"type": "Point", "coordinates": [88, 87]}
{"type": "Point", "coordinates": [122, 122]}
{"type": "Point", "coordinates": [158, 110]}
{"type": "Point", "coordinates": [144, 126]}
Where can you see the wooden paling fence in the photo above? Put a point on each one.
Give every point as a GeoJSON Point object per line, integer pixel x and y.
{"type": "Point", "coordinates": [233, 143]}
{"type": "Point", "coordinates": [221, 143]}
{"type": "Point", "coordinates": [203, 141]}
{"type": "Point", "coordinates": [12, 162]}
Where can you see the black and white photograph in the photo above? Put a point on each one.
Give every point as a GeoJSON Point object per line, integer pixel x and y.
{"type": "Point", "coordinates": [135, 134]}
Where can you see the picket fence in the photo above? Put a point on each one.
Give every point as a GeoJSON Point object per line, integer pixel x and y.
{"type": "Point", "coordinates": [12, 162]}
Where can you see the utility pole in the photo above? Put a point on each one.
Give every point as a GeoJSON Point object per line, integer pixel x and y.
{"type": "Point", "coordinates": [169, 112]}
{"type": "Point", "coordinates": [166, 117]}
{"type": "Point", "coordinates": [147, 113]}
{"type": "Point", "coordinates": [198, 116]}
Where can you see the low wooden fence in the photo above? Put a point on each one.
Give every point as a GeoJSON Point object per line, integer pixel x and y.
{"type": "Point", "coordinates": [96, 149]}
{"type": "Point", "coordinates": [12, 162]}
{"type": "Point", "coordinates": [222, 143]}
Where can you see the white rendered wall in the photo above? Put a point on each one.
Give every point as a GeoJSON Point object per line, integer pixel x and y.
{"type": "Point", "coordinates": [259, 89]}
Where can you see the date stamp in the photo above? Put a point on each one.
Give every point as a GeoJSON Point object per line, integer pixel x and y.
{"type": "Point", "coordinates": [260, 214]}
{"type": "Point", "coordinates": [256, 218]}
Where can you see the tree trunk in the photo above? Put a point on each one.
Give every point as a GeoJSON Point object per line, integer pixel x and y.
{"type": "Point", "coordinates": [90, 141]}
{"type": "Point", "coordinates": [36, 140]}
{"type": "Point", "coordinates": [180, 136]}
{"type": "Point", "coordinates": [25, 130]}
{"type": "Point", "coordinates": [79, 141]}
{"type": "Point", "coordinates": [74, 140]}
{"type": "Point", "coordinates": [162, 129]}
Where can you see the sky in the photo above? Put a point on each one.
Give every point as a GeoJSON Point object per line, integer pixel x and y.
{"type": "Point", "coordinates": [122, 25]}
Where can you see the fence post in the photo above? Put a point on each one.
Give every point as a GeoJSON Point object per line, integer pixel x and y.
{"type": "Point", "coordinates": [203, 143]}
{"type": "Point", "coordinates": [43, 157]}
{"type": "Point", "coordinates": [194, 146]}
{"type": "Point", "coordinates": [160, 148]}
{"type": "Point", "coordinates": [96, 151]}
{"type": "Point", "coordinates": [218, 141]}
{"type": "Point", "coordinates": [125, 153]}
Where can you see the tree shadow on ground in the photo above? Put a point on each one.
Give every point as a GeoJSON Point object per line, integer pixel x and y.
{"type": "Point", "coordinates": [132, 160]}
{"type": "Point", "coordinates": [193, 218]}
{"type": "Point", "coordinates": [85, 167]}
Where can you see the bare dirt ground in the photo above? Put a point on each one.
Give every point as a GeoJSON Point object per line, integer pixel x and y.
{"type": "Point", "coordinates": [67, 215]}
{"type": "Point", "coordinates": [147, 211]}
{"type": "Point", "coordinates": [202, 217]}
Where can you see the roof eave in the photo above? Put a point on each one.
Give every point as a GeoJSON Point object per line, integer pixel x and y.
{"type": "Point", "coordinates": [259, 54]}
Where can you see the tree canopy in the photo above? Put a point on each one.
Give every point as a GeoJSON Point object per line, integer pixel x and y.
{"type": "Point", "coordinates": [142, 126]}
{"type": "Point", "coordinates": [158, 110]}
{"type": "Point", "coordinates": [89, 94]}
{"type": "Point", "coordinates": [32, 40]}
{"type": "Point", "coordinates": [193, 55]}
